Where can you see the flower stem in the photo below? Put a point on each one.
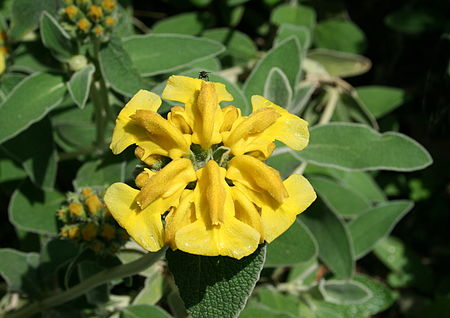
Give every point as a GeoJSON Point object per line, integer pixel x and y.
{"type": "Point", "coordinates": [99, 95]}
{"type": "Point", "coordinates": [82, 288]}
{"type": "Point", "coordinates": [325, 118]}
{"type": "Point", "coordinates": [330, 106]}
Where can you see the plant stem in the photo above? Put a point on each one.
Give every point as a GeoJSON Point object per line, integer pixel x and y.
{"type": "Point", "coordinates": [325, 118]}
{"type": "Point", "coordinates": [330, 106]}
{"type": "Point", "coordinates": [82, 288]}
{"type": "Point", "coordinates": [99, 95]}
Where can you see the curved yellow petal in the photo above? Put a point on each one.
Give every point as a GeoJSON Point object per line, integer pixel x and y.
{"type": "Point", "coordinates": [161, 132]}
{"type": "Point", "coordinates": [246, 211]}
{"type": "Point", "coordinates": [179, 217]}
{"type": "Point", "coordinates": [216, 231]}
{"type": "Point", "coordinates": [2, 62]}
{"type": "Point", "coordinates": [233, 238]}
{"type": "Point", "coordinates": [257, 176]}
{"type": "Point", "coordinates": [185, 90]}
{"type": "Point", "coordinates": [170, 179]}
{"type": "Point", "coordinates": [144, 226]}
{"type": "Point", "coordinates": [288, 128]}
{"type": "Point", "coordinates": [126, 132]}
{"type": "Point", "coordinates": [276, 221]}
{"type": "Point", "coordinates": [178, 117]}
{"type": "Point", "coordinates": [230, 115]}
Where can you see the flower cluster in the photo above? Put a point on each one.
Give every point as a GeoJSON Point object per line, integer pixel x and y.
{"type": "Point", "coordinates": [206, 189]}
{"type": "Point", "coordinates": [87, 221]}
{"type": "Point", "coordinates": [82, 18]}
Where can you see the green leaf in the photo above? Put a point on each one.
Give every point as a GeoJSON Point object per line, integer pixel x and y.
{"type": "Point", "coordinates": [215, 286]}
{"type": "Point", "coordinates": [33, 57]}
{"type": "Point", "coordinates": [294, 14]}
{"type": "Point", "coordinates": [118, 69]}
{"type": "Point", "coordinates": [56, 254]}
{"type": "Point", "coordinates": [102, 172]}
{"type": "Point", "coordinates": [79, 85]}
{"type": "Point", "coordinates": [381, 100]}
{"type": "Point", "coordinates": [341, 199]}
{"type": "Point", "coordinates": [344, 292]}
{"type": "Point", "coordinates": [26, 14]}
{"type": "Point", "coordinates": [38, 158]}
{"type": "Point", "coordinates": [302, 96]}
{"type": "Point", "coordinates": [340, 64]}
{"type": "Point", "coordinates": [304, 274]}
{"type": "Point", "coordinates": [382, 298]}
{"type": "Point", "coordinates": [153, 288]}
{"type": "Point", "coordinates": [191, 23]}
{"type": "Point", "coordinates": [285, 56]}
{"type": "Point", "coordinates": [8, 81]}
{"type": "Point", "coordinates": [408, 268]}
{"type": "Point", "coordinates": [359, 181]}
{"type": "Point", "coordinates": [285, 160]}
{"type": "Point", "coordinates": [97, 295]}
{"type": "Point", "coordinates": [302, 33]}
{"type": "Point", "coordinates": [277, 88]}
{"type": "Point", "coordinates": [143, 311]}
{"type": "Point", "coordinates": [239, 46]}
{"type": "Point", "coordinates": [10, 170]}
{"type": "Point", "coordinates": [18, 270]}
{"type": "Point", "coordinates": [373, 225]}
{"type": "Point", "coordinates": [358, 147]}
{"type": "Point", "coordinates": [277, 301]}
{"type": "Point", "coordinates": [332, 235]}
{"type": "Point", "coordinates": [350, 108]}
{"type": "Point", "coordinates": [415, 20]}
{"type": "Point", "coordinates": [262, 312]}
{"type": "Point", "coordinates": [55, 38]}
{"type": "Point", "coordinates": [161, 53]}
{"type": "Point", "coordinates": [74, 127]}
{"type": "Point", "coordinates": [296, 245]}
{"type": "Point", "coordinates": [339, 35]}
{"type": "Point", "coordinates": [18, 111]}
{"type": "Point", "coordinates": [34, 210]}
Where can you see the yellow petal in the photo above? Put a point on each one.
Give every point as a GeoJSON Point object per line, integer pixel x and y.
{"type": "Point", "coordinates": [288, 128]}
{"type": "Point", "coordinates": [230, 115]}
{"type": "Point", "coordinates": [210, 193]}
{"type": "Point", "coordinates": [127, 133]}
{"type": "Point", "coordinates": [256, 123]}
{"type": "Point", "coordinates": [233, 238]}
{"type": "Point", "coordinates": [180, 217]}
{"type": "Point", "coordinates": [144, 226]}
{"type": "Point", "coordinates": [170, 179]}
{"type": "Point", "coordinates": [161, 132]}
{"type": "Point", "coordinates": [207, 117]}
{"type": "Point", "coordinates": [185, 89]}
{"type": "Point", "coordinates": [246, 211]}
{"type": "Point", "coordinates": [2, 62]}
{"type": "Point", "coordinates": [178, 117]}
{"type": "Point", "coordinates": [257, 176]}
{"type": "Point", "coordinates": [276, 221]}
{"type": "Point", "coordinates": [216, 231]}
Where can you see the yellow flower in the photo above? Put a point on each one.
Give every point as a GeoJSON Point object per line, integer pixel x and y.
{"type": "Point", "coordinates": [71, 11]}
{"type": "Point", "coordinates": [108, 5]}
{"type": "Point", "coordinates": [215, 196]}
{"type": "Point", "coordinates": [83, 24]}
{"type": "Point", "coordinates": [93, 203]}
{"type": "Point", "coordinates": [110, 21]}
{"type": "Point", "coordinates": [76, 209]}
{"type": "Point", "coordinates": [95, 12]}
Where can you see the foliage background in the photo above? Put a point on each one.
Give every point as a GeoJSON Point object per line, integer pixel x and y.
{"type": "Point", "coordinates": [408, 45]}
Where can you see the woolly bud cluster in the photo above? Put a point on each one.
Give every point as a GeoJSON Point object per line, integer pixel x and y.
{"type": "Point", "coordinates": [82, 18]}
{"type": "Point", "coordinates": [86, 220]}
